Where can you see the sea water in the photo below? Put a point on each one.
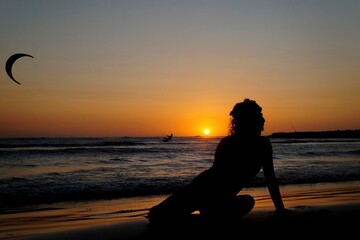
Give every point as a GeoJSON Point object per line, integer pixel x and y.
{"type": "Point", "coordinates": [43, 170]}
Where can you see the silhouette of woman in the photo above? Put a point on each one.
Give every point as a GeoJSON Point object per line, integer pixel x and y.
{"type": "Point", "coordinates": [238, 159]}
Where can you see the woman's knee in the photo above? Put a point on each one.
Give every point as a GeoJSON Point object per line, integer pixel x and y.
{"type": "Point", "coordinates": [244, 204]}
{"type": "Point", "coordinates": [245, 199]}
{"type": "Point", "coordinates": [155, 214]}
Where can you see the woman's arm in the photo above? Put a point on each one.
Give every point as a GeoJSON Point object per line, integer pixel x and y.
{"type": "Point", "coordinates": [271, 182]}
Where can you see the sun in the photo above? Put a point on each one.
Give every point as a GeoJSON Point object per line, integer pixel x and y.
{"type": "Point", "coordinates": [206, 131]}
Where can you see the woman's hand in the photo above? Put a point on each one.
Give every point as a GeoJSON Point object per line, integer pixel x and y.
{"type": "Point", "coordinates": [283, 212]}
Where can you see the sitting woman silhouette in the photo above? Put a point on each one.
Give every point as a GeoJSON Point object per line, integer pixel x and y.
{"type": "Point", "coordinates": [238, 159]}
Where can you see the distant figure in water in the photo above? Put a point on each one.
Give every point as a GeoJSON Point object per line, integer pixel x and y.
{"type": "Point", "coordinates": [168, 138]}
{"type": "Point", "coordinates": [238, 159]}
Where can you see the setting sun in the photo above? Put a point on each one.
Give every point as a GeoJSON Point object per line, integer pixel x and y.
{"type": "Point", "coordinates": [206, 131]}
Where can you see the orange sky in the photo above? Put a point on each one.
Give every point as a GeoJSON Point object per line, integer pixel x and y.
{"type": "Point", "coordinates": [150, 68]}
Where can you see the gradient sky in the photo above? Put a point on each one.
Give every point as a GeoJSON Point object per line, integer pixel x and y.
{"type": "Point", "coordinates": [150, 68]}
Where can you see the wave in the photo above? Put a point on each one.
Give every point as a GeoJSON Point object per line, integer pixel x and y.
{"type": "Point", "coordinates": [10, 143]}
{"type": "Point", "coordinates": [72, 145]}
{"type": "Point", "coordinates": [113, 150]}
{"type": "Point", "coordinates": [355, 152]}
{"type": "Point", "coordinates": [313, 140]}
{"type": "Point", "coordinates": [331, 153]}
{"type": "Point", "coordinates": [44, 192]}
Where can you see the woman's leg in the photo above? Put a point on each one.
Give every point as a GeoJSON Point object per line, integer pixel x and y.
{"type": "Point", "coordinates": [242, 205]}
{"type": "Point", "coordinates": [176, 207]}
{"type": "Point", "coordinates": [230, 208]}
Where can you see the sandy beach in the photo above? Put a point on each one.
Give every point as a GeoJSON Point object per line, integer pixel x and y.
{"type": "Point", "coordinates": [327, 209]}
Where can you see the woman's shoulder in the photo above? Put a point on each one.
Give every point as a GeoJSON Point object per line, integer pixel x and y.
{"type": "Point", "coordinates": [264, 139]}
{"type": "Point", "coordinates": [253, 140]}
{"type": "Point", "coordinates": [225, 140]}
{"type": "Point", "coordinates": [238, 138]}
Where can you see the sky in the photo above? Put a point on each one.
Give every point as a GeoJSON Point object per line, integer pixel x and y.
{"type": "Point", "coordinates": [150, 68]}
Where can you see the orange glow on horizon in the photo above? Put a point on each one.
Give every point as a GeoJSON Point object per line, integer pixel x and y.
{"type": "Point", "coordinates": [50, 118]}
{"type": "Point", "coordinates": [152, 74]}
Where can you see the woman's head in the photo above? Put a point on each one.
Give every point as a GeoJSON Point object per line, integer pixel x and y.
{"type": "Point", "coordinates": [247, 118]}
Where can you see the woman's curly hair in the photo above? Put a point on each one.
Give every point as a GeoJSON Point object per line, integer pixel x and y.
{"type": "Point", "coordinates": [247, 119]}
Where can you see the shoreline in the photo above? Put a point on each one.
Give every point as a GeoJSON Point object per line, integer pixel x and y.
{"type": "Point", "coordinates": [326, 203]}
{"type": "Point", "coordinates": [355, 133]}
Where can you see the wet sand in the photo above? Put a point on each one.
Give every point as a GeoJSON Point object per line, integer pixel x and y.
{"type": "Point", "coordinates": [327, 210]}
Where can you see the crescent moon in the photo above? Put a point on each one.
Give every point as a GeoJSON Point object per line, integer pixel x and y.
{"type": "Point", "coordinates": [11, 61]}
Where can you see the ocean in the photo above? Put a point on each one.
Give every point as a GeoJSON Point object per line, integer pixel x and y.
{"type": "Point", "coordinates": [50, 170]}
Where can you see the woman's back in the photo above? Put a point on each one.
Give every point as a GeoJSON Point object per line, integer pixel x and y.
{"type": "Point", "coordinates": [238, 160]}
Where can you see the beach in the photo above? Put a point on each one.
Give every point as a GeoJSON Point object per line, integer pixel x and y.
{"type": "Point", "coordinates": [325, 208]}
{"type": "Point", "coordinates": [102, 188]}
